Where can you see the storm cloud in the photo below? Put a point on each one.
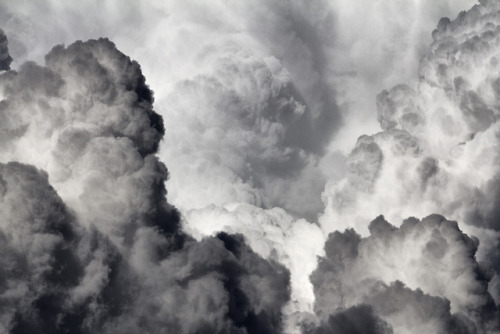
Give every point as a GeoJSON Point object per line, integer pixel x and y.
{"type": "Point", "coordinates": [420, 277]}
{"type": "Point", "coordinates": [107, 254]}
{"type": "Point", "coordinates": [256, 111]}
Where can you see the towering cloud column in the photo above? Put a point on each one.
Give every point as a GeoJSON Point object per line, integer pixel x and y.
{"type": "Point", "coordinates": [91, 245]}
{"type": "Point", "coordinates": [438, 153]}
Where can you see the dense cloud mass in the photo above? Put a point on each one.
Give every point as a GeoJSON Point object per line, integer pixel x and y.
{"type": "Point", "coordinates": [439, 148]}
{"type": "Point", "coordinates": [434, 133]}
{"type": "Point", "coordinates": [419, 278]}
{"type": "Point", "coordinates": [438, 152]}
{"type": "Point", "coordinates": [86, 118]}
{"type": "Point", "coordinates": [252, 94]}
{"type": "Point", "coordinates": [273, 234]}
{"type": "Point", "coordinates": [256, 108]}
{"type": "Point", "coordinates": [108, 255]}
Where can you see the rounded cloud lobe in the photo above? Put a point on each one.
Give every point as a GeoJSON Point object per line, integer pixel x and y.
{"type": "Point", "coordinates": [420, 277]}
{"type": "Point", "coordinates": [92, 245]}
{"type": "Point", "coordinates": [438, 151]}
{"type": "Point", "coordinates": [87, 119]}
{"type": "Point", "coordinates": [258, 109]}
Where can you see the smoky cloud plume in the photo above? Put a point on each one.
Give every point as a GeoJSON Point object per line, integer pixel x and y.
{"type": "Point", "coordinates": [92, 245]}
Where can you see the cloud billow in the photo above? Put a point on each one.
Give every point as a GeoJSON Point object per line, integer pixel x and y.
{"type": "Point", "coordinates": [438, 151]}
{"type": "Point", "coordinates": [92, 245]}
{"type": "Point", "coordinates": [420, 277]}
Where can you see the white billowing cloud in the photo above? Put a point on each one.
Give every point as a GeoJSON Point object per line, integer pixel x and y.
{"type": "Point", "coordinates": [273, 234]}
{"type": "Point", "coordinates": [439, 148]}
{"type": "Point", "coordinates": [379, 44]}
{"type": "Point", "coordinates": [192, 43]}
{"type": "Point", "coordinates": [244, 116]}
{"type": "Point", "coordinates": [438, 153]}
{"type": "Point", "coordinates": [319, 45]}
{"type": "Point", "coordinates": [314, 43]}
{"type": "Point", "coordinates": [257, 101]}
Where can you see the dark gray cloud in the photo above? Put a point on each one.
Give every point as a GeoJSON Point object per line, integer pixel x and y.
{"type": "Point", "coordinates": [87, 118]}
{"type": "Point", "coordinates": [420, 311]}
{"type": "Point", "coordinates": [354, 320]}
{"type": "Point", "coordinates": [446, 292]}
{"type": "Point", "coordinates": [5, 58]}
{"type": "Point", "coordinates": [217, 285]}
{"type": "Point", "coordinates": [107, 255]}
{"type": "Point", "coordinates": [46, 281]}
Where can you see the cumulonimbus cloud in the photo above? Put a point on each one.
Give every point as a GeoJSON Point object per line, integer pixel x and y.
{"type": "Point", "coordinates": [107, 254]}
{"type": "Point", "coordinates": [250, 97]}
{"type": "Point", "coordinates": [422, 276]}
{"type": "Point", "coordinates": [438, 151]}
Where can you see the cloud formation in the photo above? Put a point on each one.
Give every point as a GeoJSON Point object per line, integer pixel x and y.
{"type": "Point", "coordinates": [87, 118]}
{"type": "Point", "coordinates": [438, 151]}
{"type": "Point", "coordinates": [107, 254]}
{"type": "Point", "coordinates": [273, 234]}
{"type": "Point", "coordinates": [257, 108]}
{"type": "Point", "coordinates": [420, 277]}
{"type": "Point", "coordinates": [252, 96]}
